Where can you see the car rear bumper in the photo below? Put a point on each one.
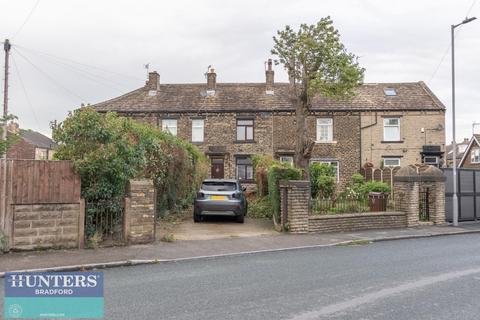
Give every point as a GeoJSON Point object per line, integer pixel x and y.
{"type": "Point", "coordinates": [210, 207]}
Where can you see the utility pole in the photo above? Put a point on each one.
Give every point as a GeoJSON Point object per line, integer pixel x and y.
{"type": "Point", "coordinates": [6, 47]}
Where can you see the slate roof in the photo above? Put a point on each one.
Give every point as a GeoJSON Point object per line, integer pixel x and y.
{"type": "Point", "coordinates": [237, 97]}
{"type": "Point", "coordinates": [37, 139]}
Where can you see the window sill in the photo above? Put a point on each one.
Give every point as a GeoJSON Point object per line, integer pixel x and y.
{"type": "Point", "coordinates": [197, 142]}
{"type": "Point", "coordinates": [397, 141]}
{"type": "Point", "coordinates": [244, 141]}
{"type": "Point", "coordinates": [246, 181]}
{"type": "Point", "coordinates": [326, 142]}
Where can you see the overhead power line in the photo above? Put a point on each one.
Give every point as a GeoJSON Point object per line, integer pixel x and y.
{"type": "Point", "coordinates": [79, 63]}
{"type": "Point", "coordinates": [26, 19]}
{"type": "Point", "coordinates": [27, 97]}
{"type": "Point", "coordinates": [51, 79]}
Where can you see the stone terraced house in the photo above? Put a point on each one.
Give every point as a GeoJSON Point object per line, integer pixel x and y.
{"type": "Point", "coordinates": [230, 122]}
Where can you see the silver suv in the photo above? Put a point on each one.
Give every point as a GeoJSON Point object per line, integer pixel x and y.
{"type": "Point", "coordinates": [220, 197]}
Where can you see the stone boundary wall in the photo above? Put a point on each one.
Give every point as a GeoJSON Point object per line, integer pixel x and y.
{"type": "Point", "coordinates": [356, 221]}
{"type": "Point", "coordinates": [139, 215]}
{"type": "Point", "coordinates": [44, 226]}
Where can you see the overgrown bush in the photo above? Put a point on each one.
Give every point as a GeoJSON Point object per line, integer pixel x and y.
{"type": "Point", "coordinates": [261, 163]}
{"type": "Point", "coordinates": [276, 173]}
{"type": "Point", "coordinates": [358, 188]}
{"type": "Point", "coordinates": [108, 150]}
{"type": "Point", "coordinates": [260, 208]}
{"type": "Point", "coordinates": [322, 179]}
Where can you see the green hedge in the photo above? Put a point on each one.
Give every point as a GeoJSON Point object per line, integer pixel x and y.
{"type": "Point", "coordinates": [276, 173]}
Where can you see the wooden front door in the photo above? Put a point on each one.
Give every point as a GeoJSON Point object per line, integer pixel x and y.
{"type": "Point", "coordinates": [217, 168]}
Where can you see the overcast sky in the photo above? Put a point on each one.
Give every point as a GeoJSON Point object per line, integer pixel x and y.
{"type": "Point", "coordinates": [69, 52]}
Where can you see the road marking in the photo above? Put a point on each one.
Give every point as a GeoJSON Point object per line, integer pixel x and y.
{"type": "Point", "coordinates": [383, 293]}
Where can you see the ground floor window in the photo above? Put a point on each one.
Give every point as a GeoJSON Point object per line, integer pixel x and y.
{"type": "Point", "coordinates": [333, 163]}
{"type": "Point", "coordinates": [244, 168]}
{"type": "Point", "coordinates": [391, 162]}
{"type": "Point", "coordinates": [287, 159]}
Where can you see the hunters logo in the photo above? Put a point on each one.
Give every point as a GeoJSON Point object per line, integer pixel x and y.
{"type": "Point", "coordinates": [54, 295]}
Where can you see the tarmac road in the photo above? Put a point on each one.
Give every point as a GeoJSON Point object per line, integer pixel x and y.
{"type": "Point", "coordinates": [433, 278]}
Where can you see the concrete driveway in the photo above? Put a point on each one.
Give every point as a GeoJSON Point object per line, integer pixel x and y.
{"type": "Point", "coordinates": [215, 228]}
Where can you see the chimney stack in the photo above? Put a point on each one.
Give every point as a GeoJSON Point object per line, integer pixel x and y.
{"type": "Point", "coordinates": [269, 75]}
{"type": "Point", "coordinates": [211, 80]}
{"type": "Point", "coordinates": [153, 82]}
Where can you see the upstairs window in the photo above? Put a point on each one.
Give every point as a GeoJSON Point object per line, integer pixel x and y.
{"type": "Point", "coordinates": [391, 129]}
{"type": "Point", "coordinates": [198, 130]}
{"type": "Point", "coordinates": [170, 125]}
{"type": "Point", "coordinates": [475, 156]}
{"type": "Point", "coordinates": [325, 130]}
{"type": "Point", "coordinates": [245, 130]}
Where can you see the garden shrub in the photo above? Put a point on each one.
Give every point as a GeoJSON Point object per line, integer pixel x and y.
{"type": "Point", "coordinates": [108, 150]}
{"type": "Point", "coordinates": [375, 186]}
{"type": "Point", "coordinates": [260, 208]}
{"type": "Point", "coordinates": [276, 173]}
{"type": "Point", "coordinates": [261, 163]}
{"type": "Point", "coordinates": [322, 179]}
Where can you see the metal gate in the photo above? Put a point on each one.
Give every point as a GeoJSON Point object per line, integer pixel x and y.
{"type": "Point", "coordinates": [104, 221]}
{"type": "Point", "coordinates": [424, 205]}
{"type": "Point", "coordinates": [468, 193]}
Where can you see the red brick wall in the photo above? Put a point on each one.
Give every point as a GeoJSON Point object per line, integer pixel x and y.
{"type": "Point", "coordinates": [21, 150]}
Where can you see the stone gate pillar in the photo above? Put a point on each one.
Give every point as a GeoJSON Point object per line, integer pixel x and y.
{"type": "Point", "coordinates": [139, 214]}
{"type": "Point", "coordinates": [407, 183]}
{"type": "Point", "coordinates": [406, 192]}
{"type": "Point", "coordinates": [294, 205]}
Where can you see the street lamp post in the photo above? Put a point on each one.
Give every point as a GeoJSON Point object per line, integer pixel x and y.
{"type": "Point", "coordinates": [454, 171]}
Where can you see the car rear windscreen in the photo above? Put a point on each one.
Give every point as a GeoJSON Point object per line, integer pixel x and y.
{"type": "Point", "coordinates": [219, 186]}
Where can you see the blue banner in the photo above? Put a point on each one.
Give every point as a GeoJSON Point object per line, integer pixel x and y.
{"type": "Point", "coordinates": [53, 295]}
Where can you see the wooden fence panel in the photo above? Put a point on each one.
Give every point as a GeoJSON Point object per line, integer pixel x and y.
{"type": "Point", "coordinates": [41, 182]}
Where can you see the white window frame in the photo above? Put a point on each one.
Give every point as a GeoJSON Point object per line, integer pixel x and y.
{"type": "Point", "coordinates": [431, 163]}
{"type": "Point", "coordinates": [41, 154]}
{"type": "Point", "coordinates": [198, 126]}
{"type": "Point", "coordinates": [324, 129]}
{"type": "Point", "coordinates": [475, 155]}
{"type": "Point", "coordinates": [287, 159]}
{"type": "Point", "coordinates": [398, 159]}
{"type": "Point", "coordinates": [170, 125]}
{"type": "Point", "coordinates": [330, 162]}
{"type": "Point", "coordinates": [386, 125]}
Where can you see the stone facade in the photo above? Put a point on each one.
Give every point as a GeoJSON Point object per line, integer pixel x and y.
{"type": "Point", "coordinates": [270, 107]}
{"type": "Point", "coordinates": [139, 214]}
{"type": "Point", "coordinates": [274, 134]}
{"type": "Point", "coordinates": [47, 226]}
{"type": "Point", "coordinates": [409, 148]}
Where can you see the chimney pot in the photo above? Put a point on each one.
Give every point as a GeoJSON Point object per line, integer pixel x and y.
{"type": "Point", "coordinates": [13, 127]}
{"type": "Point", "coordinates": [153, 82]}
{"type": "Point", "coordinates": [269, 75]}
{"type": "Point", "coordinates": [211, 80]}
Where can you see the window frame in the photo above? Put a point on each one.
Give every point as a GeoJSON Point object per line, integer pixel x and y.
{"type": "Point", "coordinates": [392, 158]}
{"type": "Point", "coordinates": [41, 151]}
{"type": "Point", "coordinates": [475, 153]}
{"type": "Point", "coordinates": [437, 160]}
{"type": "Point", "coordinates": [202, 127]}
{"type": "Point", "coordinates": [329, 130]}
{"type": "Point", "coordinates": [166, 128]}
{"type": "Point", "coordinates": [245, 126]}
{"type": "Point", "coordinates": [237, 175]}
{"type": "Point", "coordinates": [392, 126]}
{"type": "Point", "coordinates": [329, 162]}
{"type": "Point", "coordinates": [286, 156]}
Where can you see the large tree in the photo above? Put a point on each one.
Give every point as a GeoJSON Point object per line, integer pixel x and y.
{"type": "Point", "coordinates": [317, 63]}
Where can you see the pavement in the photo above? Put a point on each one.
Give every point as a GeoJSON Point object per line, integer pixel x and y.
{"type": "Point", "coordinates": [56, 260]}
{"type": "Point", "coordinates": [421, 278]}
